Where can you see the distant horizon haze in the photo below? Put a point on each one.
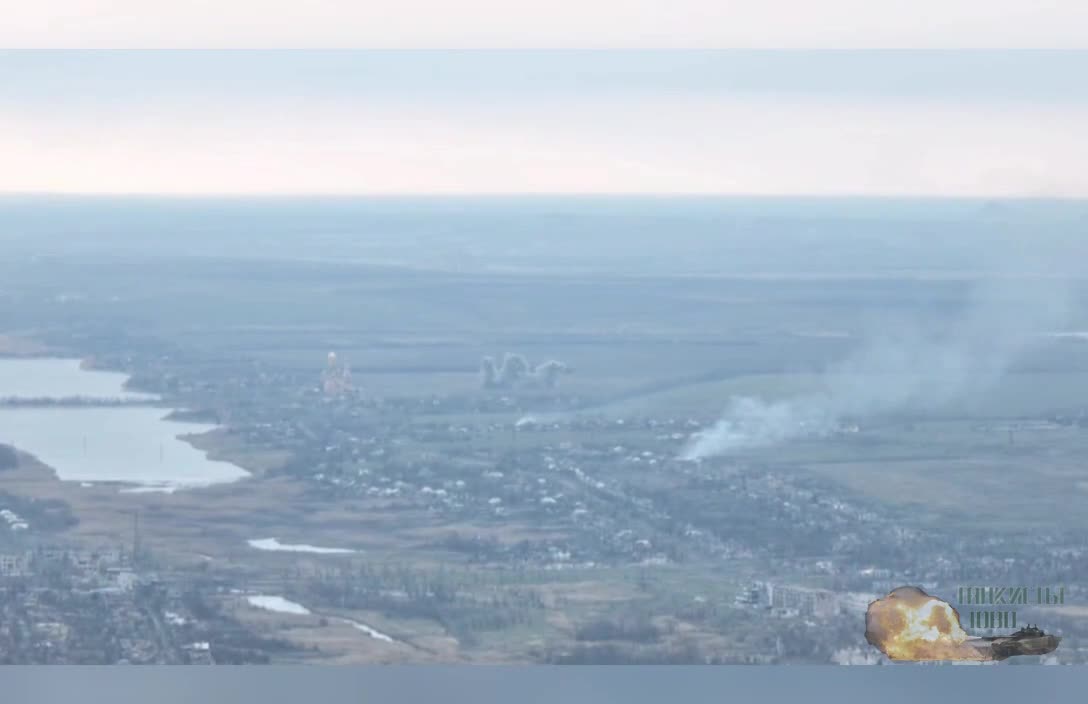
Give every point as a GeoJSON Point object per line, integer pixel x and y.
{"type": "Point", "coordinates": [988, 124]}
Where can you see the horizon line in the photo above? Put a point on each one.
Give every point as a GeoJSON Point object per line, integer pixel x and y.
{"type": "Point", "coordinates": [380, 195]}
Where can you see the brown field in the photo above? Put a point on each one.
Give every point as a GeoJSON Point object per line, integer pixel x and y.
{"type": "Point", "coordinates": [207, 529]}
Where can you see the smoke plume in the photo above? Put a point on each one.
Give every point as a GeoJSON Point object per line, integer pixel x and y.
{"type": "Point", "coordinates": [516, 372]}
{"type": "Point", "coordinates": [918, 366]}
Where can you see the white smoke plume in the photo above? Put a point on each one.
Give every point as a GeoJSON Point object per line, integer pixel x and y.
{"type": "Point", "coordinates": [489, 374]}
{"type": "Point", "coordinates": [903, 367]}
{"type": "Point", "coordinates": [515, 371]}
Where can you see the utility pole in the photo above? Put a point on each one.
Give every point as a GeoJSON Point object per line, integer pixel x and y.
{"type": "Point", "coordinates": [136, 548]}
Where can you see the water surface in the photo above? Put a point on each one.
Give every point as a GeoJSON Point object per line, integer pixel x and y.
{"type": "Point", "coordinates": [131, 444]}
{"type": "Point", "coordinates": [274, 545]}
{"type": "Point", "coordinates": [277, 604]}
{"type": "Point", "coordinates": [49, 378]}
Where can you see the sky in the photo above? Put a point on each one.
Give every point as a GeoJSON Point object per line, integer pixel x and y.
{"type": "Point", "coordinates": [790, 116]}
{"type": "Point", "coordinates": [772, 24]}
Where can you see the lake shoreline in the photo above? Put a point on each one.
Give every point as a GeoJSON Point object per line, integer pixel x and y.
{"type": "Point", "coordinates": [29, 462]}
{"type": "Point", "coordinates": [86, 427]}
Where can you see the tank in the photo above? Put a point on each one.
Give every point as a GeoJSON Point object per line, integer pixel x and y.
{"type": "Point", "coordinates": [1029, 640]}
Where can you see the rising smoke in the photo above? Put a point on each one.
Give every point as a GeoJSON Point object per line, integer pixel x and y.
{"type": "Point", "coordinates": [905, 366]}
{"type": "Point", "coordinates": [515, 372]}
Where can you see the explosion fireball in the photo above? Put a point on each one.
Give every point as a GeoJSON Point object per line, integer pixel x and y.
{"type": "Point", "coordinates": [909, 624]}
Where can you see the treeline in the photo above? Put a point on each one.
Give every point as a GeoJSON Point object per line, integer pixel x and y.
{"type": "Point", "coordinates": [43, 514]}
{"type": "Point", "coordinates": [204, 415]}
{"type": "Point", "coordinates": [463, 604]}
{"type": "Point", "coordinates": [612, 654]}
{"type": "Point", "coordinates": [45, 401]}
{"type": "Point", "coordinates": [230, 642]}
{"type": "Point", "coordinates": [684, 654]}
{"type": "Point", "coordinates": [638, 629]}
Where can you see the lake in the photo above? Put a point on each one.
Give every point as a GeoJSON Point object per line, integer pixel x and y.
{"type": "Point", "coordinates": [274, 545]}
{"type": "Point", "coordinates": [277, 604]}
{"type": "Point", "coordinates": [131, 444]}
{"type": "Point", "coordinates": [61, 378]}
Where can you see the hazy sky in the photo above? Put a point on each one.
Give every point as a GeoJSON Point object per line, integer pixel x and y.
{"type": "Point", "coordinates": [552, 24]}
{"type": "Point", "coordinates": [971, 123]}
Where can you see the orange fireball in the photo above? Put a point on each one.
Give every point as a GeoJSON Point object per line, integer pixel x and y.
{"type": "Point", "coordinates": [909, 624]}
